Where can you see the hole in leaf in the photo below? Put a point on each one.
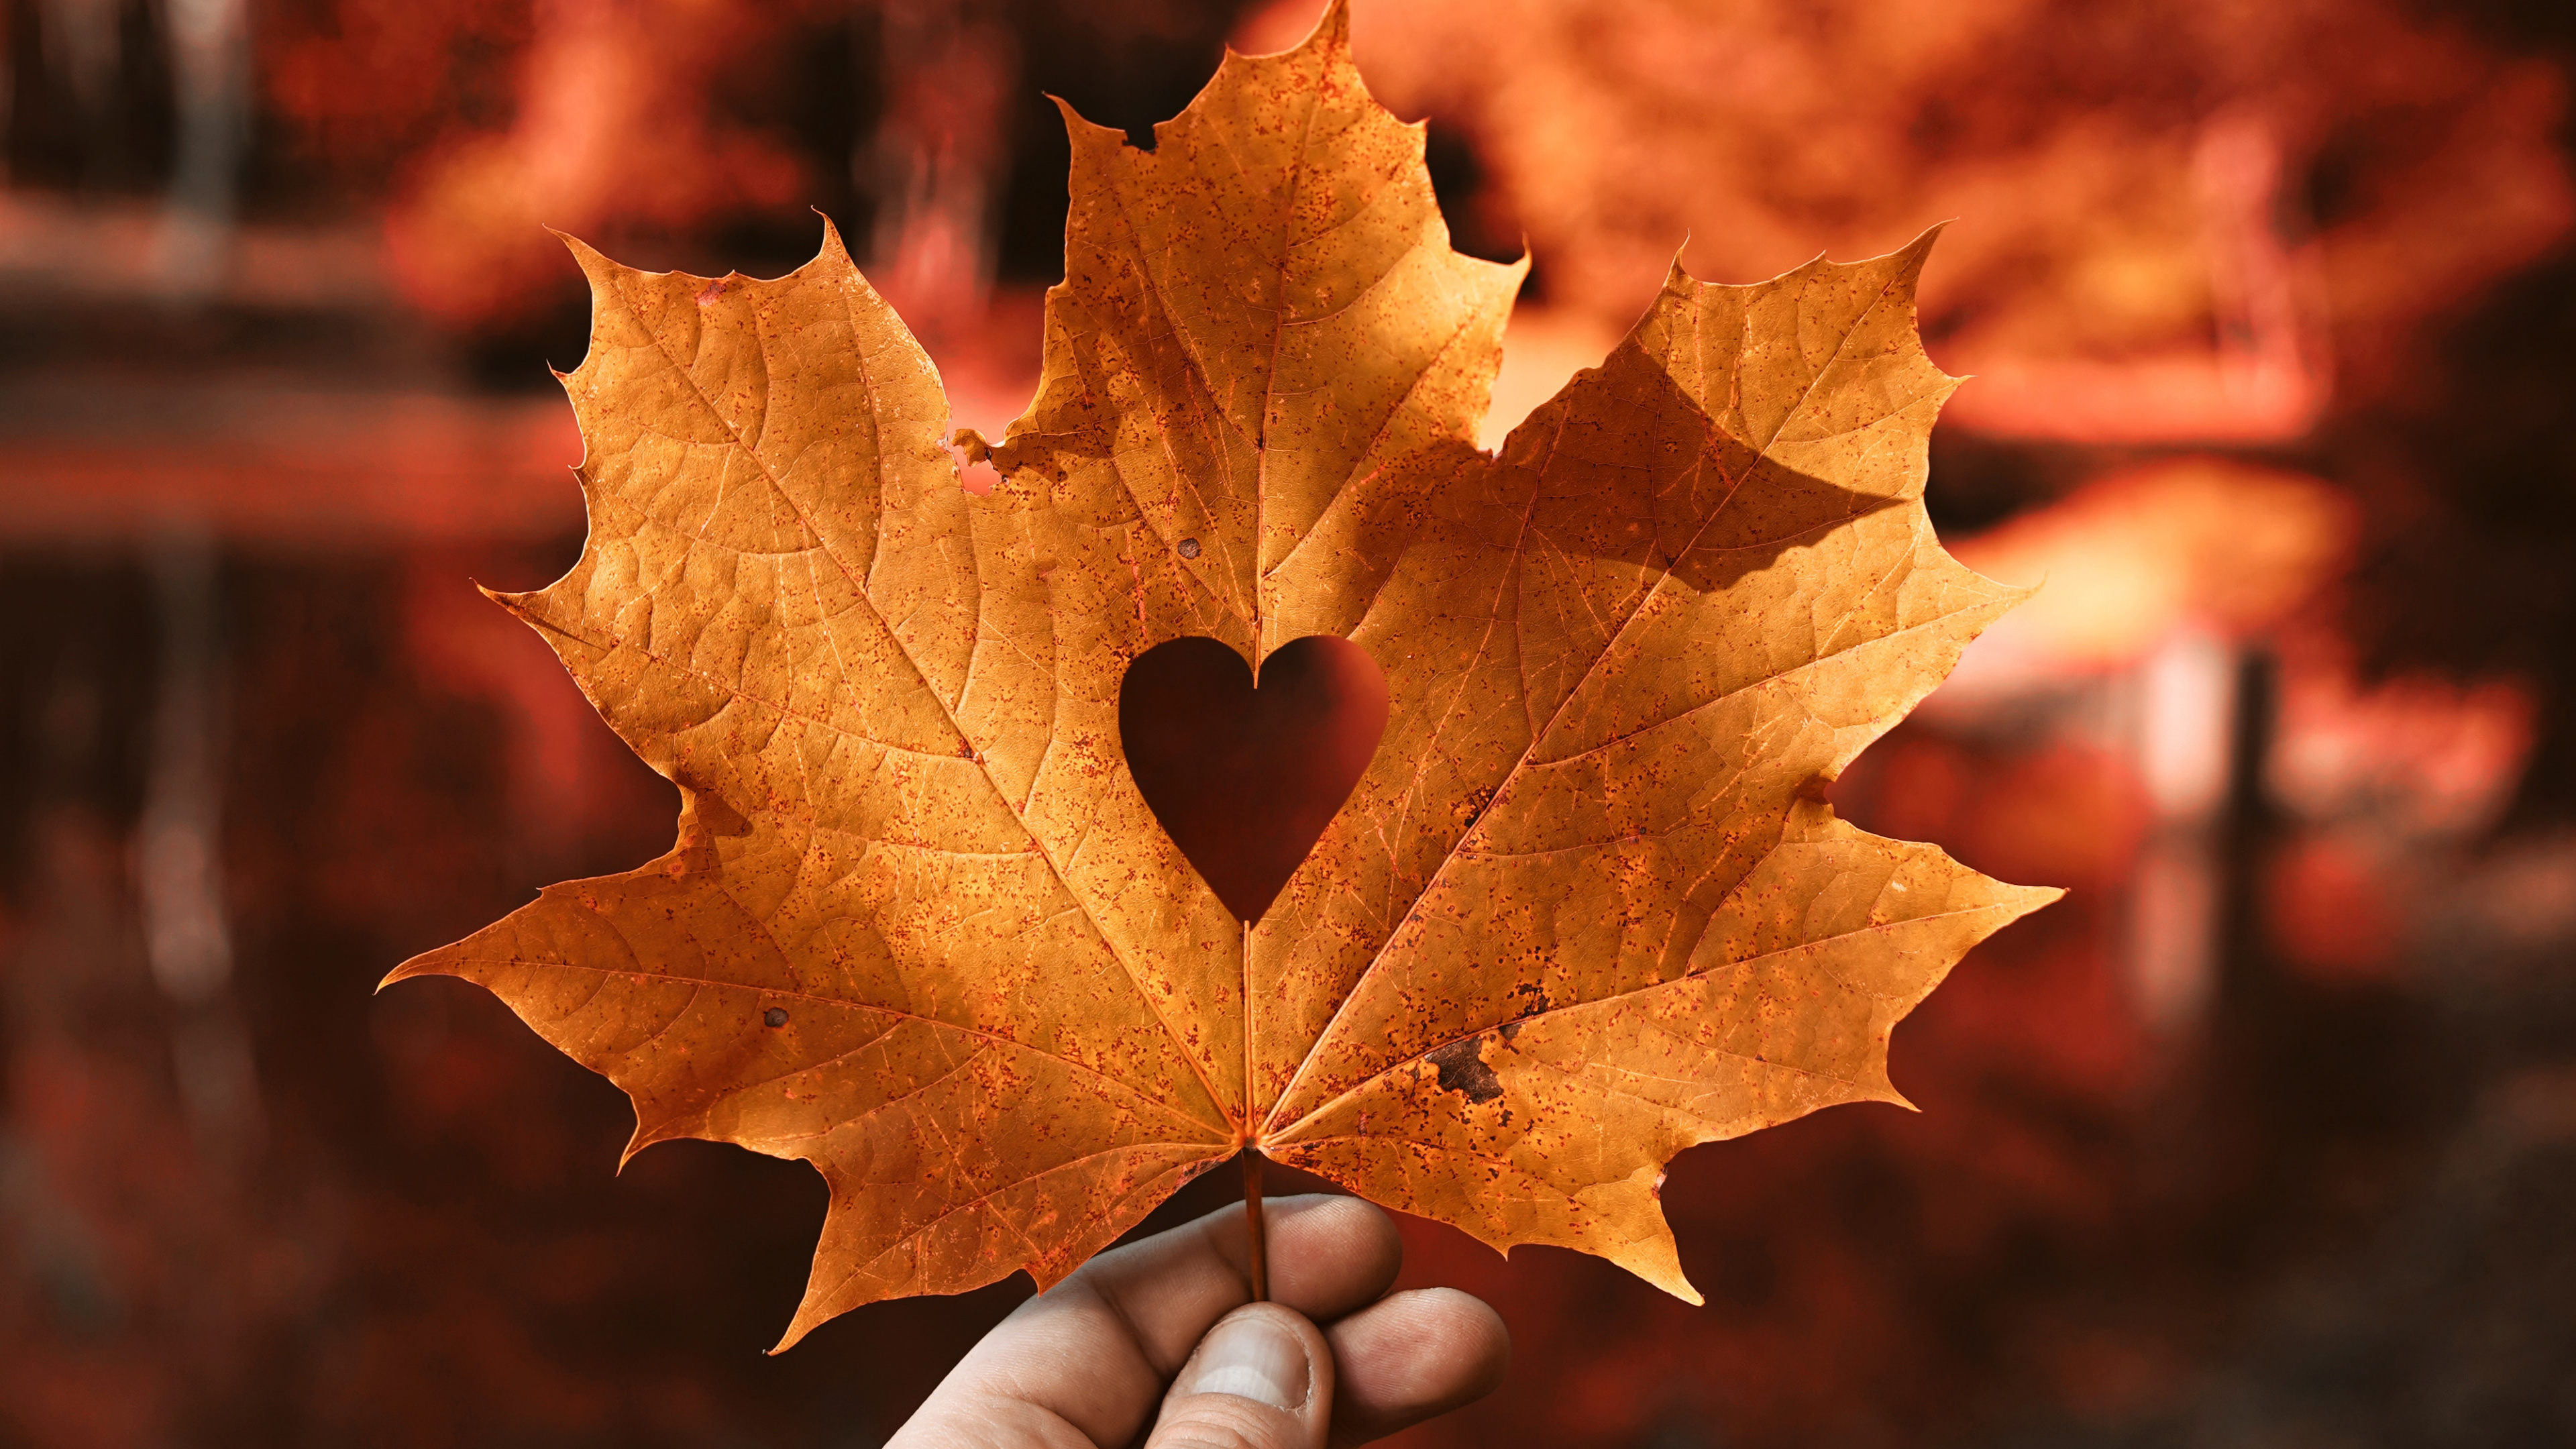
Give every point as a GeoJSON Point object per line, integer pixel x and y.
{"type": "Point", "coordinates": [1245, 779]}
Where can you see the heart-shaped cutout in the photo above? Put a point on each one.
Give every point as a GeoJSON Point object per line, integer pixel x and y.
{"type": "Point", "coordinates": [1245, 779]}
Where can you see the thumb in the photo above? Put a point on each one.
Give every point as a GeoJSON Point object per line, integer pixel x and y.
{"type": "Point", "coordinates": [1261, 1379]}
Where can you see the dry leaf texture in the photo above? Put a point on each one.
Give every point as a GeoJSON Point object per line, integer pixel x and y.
{"type": "Point", "coordinates": [1585, 909]}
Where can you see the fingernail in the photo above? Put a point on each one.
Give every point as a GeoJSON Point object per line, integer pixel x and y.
{"type": "Point", "coordinates": [1251, 1358]}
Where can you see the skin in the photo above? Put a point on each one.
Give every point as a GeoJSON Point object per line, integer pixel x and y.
{"type": "Point", "coordinates": [1159, 1331]}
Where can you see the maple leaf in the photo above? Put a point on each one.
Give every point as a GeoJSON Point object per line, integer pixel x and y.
{"type": "Point", "coordinates": [1585, 906]}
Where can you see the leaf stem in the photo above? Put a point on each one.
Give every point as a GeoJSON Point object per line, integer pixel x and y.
{"type": "Point", "coordinates": [1254, 1237]}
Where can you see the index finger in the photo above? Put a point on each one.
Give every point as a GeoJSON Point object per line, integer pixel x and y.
{"type": "Point", "coordinates": [1093, 1353]}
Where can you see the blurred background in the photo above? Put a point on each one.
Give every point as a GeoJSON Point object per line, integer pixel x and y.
{"type": "Point", "coordinates": [2266, 1135]}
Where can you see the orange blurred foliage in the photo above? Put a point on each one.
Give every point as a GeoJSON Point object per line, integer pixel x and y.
{"type": "Point", "coordinates": [2191, 184]}
{"type": "Point", "coordinates": [614, 120]}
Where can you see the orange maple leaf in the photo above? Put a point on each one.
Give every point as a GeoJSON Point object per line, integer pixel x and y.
{"type": "Point", "coordinates": [1584, 906]}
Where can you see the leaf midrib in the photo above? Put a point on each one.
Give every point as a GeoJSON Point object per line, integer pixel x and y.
{"type": "Point", "coordinates": [788, 994]}
{"type": "Point", "coordinates": [1816, 945]}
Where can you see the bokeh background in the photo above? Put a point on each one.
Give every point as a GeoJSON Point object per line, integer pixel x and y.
{"type": "Point", "coordinates": [2265, 1136]}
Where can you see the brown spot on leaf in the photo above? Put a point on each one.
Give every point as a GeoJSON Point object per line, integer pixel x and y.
{"type": "Point", "coordinates": [1462, 1069]}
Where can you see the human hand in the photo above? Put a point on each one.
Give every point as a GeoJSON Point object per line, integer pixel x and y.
{"type": "Point", "coordinates": [1168, 1324]}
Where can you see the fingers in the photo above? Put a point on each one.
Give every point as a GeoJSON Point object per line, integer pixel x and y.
{"type": "Point", "coordinates": [1092, 1354]}
{"type": "Point", "coordinates": [1086, 1363]}
{"type": "Point", "coordinates": [1265, 1378]}
{"type": "Point", "coordinates": [1328, 1255]}
{"type": "Point", "coordinates": [1411, 1357]}
{"type": "Point", "coordinates": [1261, 1379]}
